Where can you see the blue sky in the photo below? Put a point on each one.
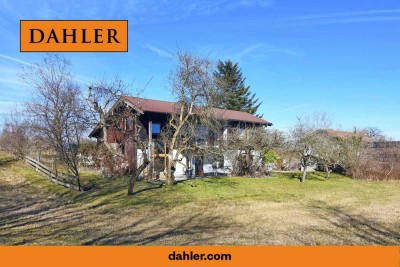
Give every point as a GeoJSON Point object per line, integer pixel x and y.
{"type": "Point", "coordinates": [340, 57]}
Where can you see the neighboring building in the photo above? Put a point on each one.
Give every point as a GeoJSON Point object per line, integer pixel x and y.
{"type": "Point", "coordinates": [380, 158]}
{"type": "Point", "coordinates": [152, 117]}
{"type": "Point", "coordinates": [347, 135]}
{"type": "Point", "coordinates": [385, 144]}
{"type": "Point", "coordinates": [368, 142]}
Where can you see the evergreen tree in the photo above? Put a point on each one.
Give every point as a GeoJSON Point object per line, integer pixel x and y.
{"type": "Point", "coordinates": [236, 95]}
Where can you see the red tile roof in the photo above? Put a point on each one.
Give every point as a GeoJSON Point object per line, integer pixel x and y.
{"type": "Point", "coordinates": [347, 135]}
{"type": "Point", "coordinates": [152, 105]}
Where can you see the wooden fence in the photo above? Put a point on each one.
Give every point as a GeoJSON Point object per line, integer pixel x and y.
{"type": "Point", "coordinates": [60, 178]}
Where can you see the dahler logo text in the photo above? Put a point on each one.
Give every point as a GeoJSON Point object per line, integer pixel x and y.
{"type": "Point", "coordinates": [74, 36]}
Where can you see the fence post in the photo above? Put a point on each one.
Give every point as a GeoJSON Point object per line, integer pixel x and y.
{"type": "Point", "coordinates": [56, 178]}
{"type": "Point", "coordinates": [54, 166]}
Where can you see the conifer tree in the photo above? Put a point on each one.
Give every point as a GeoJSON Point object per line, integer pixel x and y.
{"type": "Point", "coordinates": [236, 95]}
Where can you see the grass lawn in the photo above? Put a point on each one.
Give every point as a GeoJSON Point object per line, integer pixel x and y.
{"type": "Point", "coordinates": [210, 211]}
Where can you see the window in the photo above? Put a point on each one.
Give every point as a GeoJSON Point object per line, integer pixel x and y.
{"type": "Point", "coordinates": [218, 162]}
{"type": "Point", "coordinates": [155, 128]}
{"type": "Point", "coordinates": [201, 135]}
{"type": "Point", "coordinates": [128, 124]}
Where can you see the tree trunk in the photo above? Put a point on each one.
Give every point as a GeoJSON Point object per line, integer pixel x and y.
{"type": "Point", "coordinates": [303, 178]}
{"type": "Point", "coordinates": [247, 163]}
{"type": "Point", "coordinates": [198, 165]}
{"type": "Point", "coordinates": [170, 180]}
{"type": "Point", "coordinates": [135, 175]}
{"type": "Point", "coordinates": [78, 178]}
{"type": "Point", "coordinates": [171, 162]}
{"type": "Point", "coordinates": [79, 183]}
{"type": "Point", "coordinates": [328, 172]}
{"type": "Point", "coordinates": [304, 163]}
{"type": "Point", "coordinates": [105, 140]}
{"type": "Point", "coordinates": [391, 169]}
{"type": "Point", "coordinates": [170, 177]}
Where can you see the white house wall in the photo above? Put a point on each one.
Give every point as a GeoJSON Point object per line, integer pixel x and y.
{"type": "Point", "coordinates": [207, 166]}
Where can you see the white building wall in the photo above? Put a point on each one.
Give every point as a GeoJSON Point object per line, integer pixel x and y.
{"type": "Point", "coordinates": [181, 166]}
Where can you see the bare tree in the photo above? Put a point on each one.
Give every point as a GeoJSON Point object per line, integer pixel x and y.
{"type": "Point", "coordinates": [133, 141]}
{"type": "Point", "coordinates": [374, 133]}
{"type": "Point", "coordinates": [303, 139]}
{"type": "Point", "coordinates": [102, 95]}
{"type": "Point", "coordinates": [57, 113]}
{"type": "Point", "coordinates": [247, 146]}
{"type": "Point", "coordinates": [363, 159]}
{"type": "Point", "coordinates": [352, 150]}
{"type": "Point", "coordinates": [327, 151]}
{"type": "Point", "coordinates": [194, 89]}
{"type": "Point", "coordinates": [15, 136]}
{"type": "Point", "coordinates": [109, 112]}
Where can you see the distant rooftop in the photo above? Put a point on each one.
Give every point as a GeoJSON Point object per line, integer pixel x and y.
{"type": "Point", "coordinates": [347, 134]}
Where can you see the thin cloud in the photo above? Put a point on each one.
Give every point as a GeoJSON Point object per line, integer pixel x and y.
{"type": "Point", "coordinates": [9, 102]}
{"type": "Point", "coordinates": [150, 11]}
{"type": "Point", "coordinates": [345, 14]}
{"type": "Point", "coordinates": [17, 60]}
{"type": "Point", "coordinates": [163, 11]}
{"type": "Point", "coordinates": [282, 50]}
{"type": "Point", "coordinates": [158, 51]}
{"type": "Point", "coordinates": [33, 65]}
{"type": "Point", "coordinates": [251, 3]}
{"type": "Point", "coordinates": [248, 50]}
{"type": "Point", "coordinates": [348, 17]}
{"type": "Point", "coordinates": [263, 49]}
{"type": "Point", "coordinates": [12, 81]}
{"type": "Point", "coordinates": [359, 20]}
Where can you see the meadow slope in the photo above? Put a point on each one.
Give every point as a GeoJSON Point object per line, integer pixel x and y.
{"type": "Point", "coordinates": [210, 211]}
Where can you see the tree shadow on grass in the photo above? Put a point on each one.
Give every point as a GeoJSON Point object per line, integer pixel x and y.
{"type": "Point", "coordinates": [215, 180]}
{"type": "Point", "coordinates": [35, 213]}
{"type": "Point", "coordinates": [347, 228]}
{"type": "Point", "coordinates": [316, 176]}
{"type": "Point", "coordinates": [191, 230]}
{"type": "Point", "coordinates": [159, 186]}
{"type": "Point", "coordinates": [18, 201]}
{"type": "Point", "coordinates": [52, 221]}
{"type": "Point", "coordinates": [5, 162]}
{"type": "Point", "coordinates": [119, 186]}
{"type": "Point", "coordinates": [311, 176]}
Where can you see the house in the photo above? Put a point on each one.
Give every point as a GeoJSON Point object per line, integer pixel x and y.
{"type": "Point", "coordinates": [347, 135]}
{"type": "Point", "coordinates": [373, 143]}
{"type": "Point", "coordinates": [152, 116]}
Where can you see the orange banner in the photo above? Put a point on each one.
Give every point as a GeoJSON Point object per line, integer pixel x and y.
{"type": "Point", "coordinates": [74, 36]}
{"type": "Point", "coordinates": [201, 256]}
